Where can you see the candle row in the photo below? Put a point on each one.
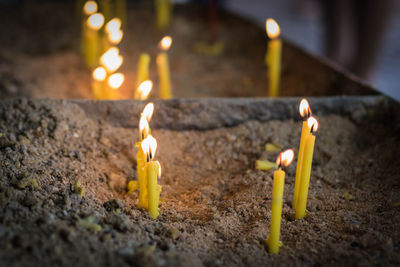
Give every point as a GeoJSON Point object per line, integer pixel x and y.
{"type": "Point", "coordinates": [302, 179]}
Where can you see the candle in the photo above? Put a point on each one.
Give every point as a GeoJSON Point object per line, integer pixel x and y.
{"type": "Point", "coordinates": [305, 113]}
{"type": "Point", "coordinates": [91, 38]}
{"type": "Point", "coordinates": [284, 159]}
{"type": "Point", "coordinates": [163, 11]}
{"type": "Point", "coordinates": [144, 131]}
{"type": "Point", "coordinates": [152, 169]}
{"type": "Point", "coordinates": [273, 56]}
{"type": "Point", "coordinates": [301, 205]}
{"type": "Point", "coordinates": [163, 68]}
{"type": "Point", "coordinates": [99, 75]}
{"type": "Point", "coordinates": [105, 7]}
{"type": "Point", "coordinates": [143, 90]}
{"type": "Point", "coordinates": [120, 10]}
{"type": "Point", "coordinates": [143, 69]}
{"type": "Point", "coordinates": [114, 82]}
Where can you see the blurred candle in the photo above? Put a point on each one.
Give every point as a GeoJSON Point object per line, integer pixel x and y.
{"type": "Point", "coordinates": [106, 9]}
{"type": "Point", "coordinates": [305, 113]}
{"type": "Point", "coordinates": [99, 76]}
{"type": "Point", "coordinates": [163, 68]}
{"type": "Point", "coordinates": [91, 38]}
{"type": "Point", "coordinates": [142, 69]}
{"type": "Point", "coordinates": [273, 57]}
{"type": "Point", "coordinates": [163, 11]}
{"type": "Point", "coordinates": [120, 10]}
{"type": "Point", "coordinates": [306, 168]}
{"type": "Point", "coordinates": [273, 241]}
{"type": "Point", "coordinates": [89, 8]}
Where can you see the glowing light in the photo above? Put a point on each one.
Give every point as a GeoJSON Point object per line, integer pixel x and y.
{"type": "Point", "coordinates": [115, 80]}
{"type": "Point", "coordinates": [99, 74]}
{"type": "Point", "coordinates": [159, 169]}
{"type": "Point", "coordinates": [312, 124]}
{"type": "Point", "coordinates": [285, 158]}
{"type": "Point", "coordinates": [165, 43]}
{"type": "Point", "coordinates": [95, 21]}
{"type": "Point", "coordinates": [148, 111]}
{"type": "Point", "coordinates": [113, 25]}
{"type": "Point", "coordinates": [149, 146]}
{"type": "Point", "coordinates": [143, 127]}
{"type": "Point", "coordinates": [115, 37]}
{"type": "Point", "coordinates": [90, 7]}
{"type": "Point", "coordinates": [304, 108]}
{"type": "Point", "coordinates": [111, 59]}
{"type": "Point", "coordinates": [144, 89]}
{"type": "Point", "coordinates": [272, 28]}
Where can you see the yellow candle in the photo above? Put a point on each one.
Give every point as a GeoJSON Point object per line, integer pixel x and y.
{"type": "Point", "coordinates": [273, 57]}
{"type": "Point", "coordinates": [144, 131]}
{"type": "Point", "coordinates": [98, 84]}
{"type": "Point", "coordinates": [152, 169]}
{"type": "Point", "coordinates": [153, 188]}
{"type": "Point", "coordinates": [163, 11]}
{"type": "Point", "coordinates": [106, 9]}
{"type": "Point", "coordinates": [142, 69]}
{"type": "Point", "coordinates": [163, 68]}
{"type": "Point", "coordinates": [120, 10]}
{"type": "Point", "coordinates": [273, 241]}
{"type": "Point", "coordinates": [305, 113]}
{"type": "Point", "coordinates": [306, 168]}
{"type": "Point", "coordinates": [91, 38]}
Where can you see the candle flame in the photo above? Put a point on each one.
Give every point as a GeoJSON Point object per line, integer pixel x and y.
{"type": "Point", "coordinates": [285, 158]}
{"type": "Point", "coordinates": [95, 21]}
{"type": "Point", "coordinates": [304, 108]}
{"type": "Point", "coordinates": [149, 146]}
{"type": "Point", "coordinates": [273, 29]}
{"type": "Point", "coordinates": [144, 89]}
{"type": "Point", "coordinates": [312, 124]}
{"type": "Point", "coordinates": [148, 111]}
{"type": "Point", "coordinates": [90, 7]}
{"type": "Point", "coordinates": [99, 74]}
{"type": "Point", "coordinates": [115, 37]}
{"type": "Point", "coordinates": [165, 43]}
{"type": "Point", "coordinates": [115, 80]}
{"type": "Point", "coordinates": [111, 59]}
{"type": "Point", "coordinates": [144, 127]}
{"type": "Point", "coordinates": [113, 25]}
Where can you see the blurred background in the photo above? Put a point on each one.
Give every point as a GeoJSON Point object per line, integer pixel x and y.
{"type": "Point", "coordinates": [306, 24]}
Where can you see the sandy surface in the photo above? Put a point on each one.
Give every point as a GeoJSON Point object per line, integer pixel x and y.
{"type": "Point", "coordinates": [215, 206]}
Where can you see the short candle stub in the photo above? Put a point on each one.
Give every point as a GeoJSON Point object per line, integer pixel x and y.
{"type": "Point", "coordinates": [313, 125]}
{"type": "Point", "coordinates": [304, 109]}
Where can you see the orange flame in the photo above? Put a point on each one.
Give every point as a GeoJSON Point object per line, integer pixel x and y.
{"type": "Point", "coordinates": [144, 127]}
{"type": "Point", "coordinates": [304, 108]}
{"type": "Point", "coordinates": [95, 21]}
{"type": "Point", "coordinates": [149, 146]}
{"type": "Point", "coordinates": [90, 7]}
{"type": "Point", "coordinates": [116, 80]}
{"type": "Point", "coordinates": [272, 28]}
{"type": "Point", "coordinates": [285, 158]}
{"type": "Point", "coordinates": [148, 111]}
{"type": "Point", "coordinates": [113, 25]}
{"type": "Point", "coordinates": [115, 37]}
{"type": "Point", "coordinates": [144, 89]}
{"type": "Point", "coordinates": [312, 124]}
{"type": "Point", "coordinates": [99, 74]}
{"type": "Point", "coordinates": [165, 43]}
{"type": "Point", "coordinates": [111, 59]}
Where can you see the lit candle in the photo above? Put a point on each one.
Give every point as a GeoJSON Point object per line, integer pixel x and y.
{"type": "Point", "coordinates": [273, 57]}
{"type": "Point", "coordinates": [114, 82]}
{"type": "Point", "coordinates": [99, 76]}
{"type": "Point", "coordinates": [163, 68]}
{"type": "Point", "coordinates": [143, 90]}
{"type": "Point", "coordinates": [91, 38]}
{"type": "Point", "coordinates": [143, 69]}
{"type": "Point", "coordinates": [163, 11]}
{"type": "Point", "coordinates": [144, 131]}
{"type": "Point", "coordinates": [153, 171]}
{"type": "Point", "coordinates": [273, 241]}
{"type": "Point", "coordinates": [305, 112]}
{"type": "Point", "coordinates": [306, 168]}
